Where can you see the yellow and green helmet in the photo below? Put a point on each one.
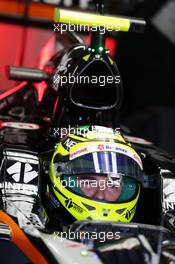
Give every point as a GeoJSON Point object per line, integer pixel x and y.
{"type": "Point", "coordinates": [95, 174]}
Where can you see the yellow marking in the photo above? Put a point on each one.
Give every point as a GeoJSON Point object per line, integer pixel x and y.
{"type": "Point", "coordinates": [86, 58]}
{"type": "Point", "coordinates": [111, 61]}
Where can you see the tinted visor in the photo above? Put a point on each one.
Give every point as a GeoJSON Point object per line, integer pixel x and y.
{"type": "Point", "coordinates": [102, 188]}
{"type": "Point", "coordinates": [111, 163]}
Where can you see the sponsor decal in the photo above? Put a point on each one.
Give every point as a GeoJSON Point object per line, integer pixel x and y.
{"type": "Point", "coordinates": [127, 215]}
{"type": "Point", "coordinates": [105, 147]}
{"type": "Point", "coordinates": [114, 148]}
{"type": "Point", "coordinates": [68, 143]}
{"type": "Point", "coordinates": [100, 147]}
{"type": "Point", "coordinates": [168, 206]}
{"type": "Point", "coordinates": [70, 204]}
{"type": "Point", "coordinates": [94, 147]}
{"type": "Point", "coordinates": [130, 213]}
{"type": "Point", "coordinates": [78, 153]}
{"type": "Point", "coordinates": [54, 201]}
{"type": "Point", "coordinates": [77, 208]}
{"type": "Point", "coordinates": [168, 203]}
{"type": "Point", "coordinates": [20, 187]}
{"type": "Point", "coordinates": [19, 173]}
{"type": "Point", "coordinates": [127, 152]}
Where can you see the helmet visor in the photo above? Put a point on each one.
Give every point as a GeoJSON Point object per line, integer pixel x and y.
{"type": "Point", "coordinates": [111, 163]}
{"type": "Point", "coordinates": [107, 176]}
{"type": "Point", "coordinates": [101, 188]}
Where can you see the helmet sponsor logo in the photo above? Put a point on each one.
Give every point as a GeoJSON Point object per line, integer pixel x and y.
{"type": "Point", "coordinates": [77, 208]}
{"type": "Point", "coordinates": [70, 204]}
{"type": "Point", "coordinates": [113, 148]}
{"type": "Point", "coordinates": [106, 147]}
{"type": "Point", "coordinates": [130, 213]}
{"type": "Point", "coordinates": [78, 153]}
{"type": "Point", "coordinates": [54, 201]}
{"type": "Point", "coordinates": [68, 143]}
{"type": "Point", "coordinates": [101, 147]}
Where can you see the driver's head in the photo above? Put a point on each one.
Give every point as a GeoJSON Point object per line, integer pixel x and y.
{"type": "Point", "coordinates": [95, 176]}
{"type": "Point", "coordinates": [99, 187]}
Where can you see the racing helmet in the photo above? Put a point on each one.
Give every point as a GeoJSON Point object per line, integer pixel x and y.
{"type": "Point", "coordinates": [94, 174]}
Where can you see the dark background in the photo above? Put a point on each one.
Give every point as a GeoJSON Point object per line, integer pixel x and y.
{"type": "Point", "coordinates": [146, 63]}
